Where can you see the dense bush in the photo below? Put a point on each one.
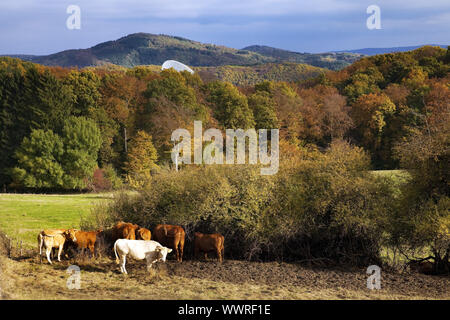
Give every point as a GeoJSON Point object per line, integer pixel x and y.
{"type": "Point", "coordinates": [320, 206]}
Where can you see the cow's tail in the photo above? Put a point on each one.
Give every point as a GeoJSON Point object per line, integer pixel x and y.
{"type": "Point", "coordinates": [115, 252]}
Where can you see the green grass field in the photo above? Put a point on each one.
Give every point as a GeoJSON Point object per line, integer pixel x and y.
{"type": "Point", "coordinates": [22, 216]}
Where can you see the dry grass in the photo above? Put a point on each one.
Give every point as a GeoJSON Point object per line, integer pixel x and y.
{"type": "Point", "coordinates": [100, 279]}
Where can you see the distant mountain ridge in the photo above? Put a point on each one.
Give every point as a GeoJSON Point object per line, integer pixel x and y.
{"type": "Point", "coordinates": [375, 51]}
{"type": "Point", "coordinates": [150, 49]}
{"type": "Point", "coordinates": [330, 60]}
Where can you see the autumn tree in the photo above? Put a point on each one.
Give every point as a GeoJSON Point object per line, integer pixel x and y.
{"type": "Point", "coordinates": [85, 87]}
{"type": "Point", "coordinates": [142, 157]}
{"type": "Point", "coordinates": [421, 225]}
{"type": "Point", "coordinates": [370, 114]}
{"type": "Point", "coordinates": [230, 107]}
{"type": "Point", "coordinates": [325, 115]}
{"type": "Point", "coordinates": [336, 120]}
{"type": "Point", "coordinates": [287, 107]}
{"type": "Point", "coordinates": [263, 108]}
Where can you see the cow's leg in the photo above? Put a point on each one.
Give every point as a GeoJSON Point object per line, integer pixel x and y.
{"type": "Point", "coordinates": [181, 253]}
{"type": "Point", "coordinates": [206, 256]}
{"type": "Point", "coordinates": [124, 261]}
{"type": "Point", "coordinates": [91, 248]}
{"type": "Point", "coordinates": [59, 252]}
{"type": "Point", "coordinates": [219, 254]}
{"type": "Point", "coordinates": [177, 252]}
{"type": "Point", "coordinates": [40, 241]}
{"type": "Point", "coordinates": [47, 252]}
{"type": "Point", "coordinates": [181, 244]}
{"type": "Point", "coordinates": [121, 263]}
{"type": "Point", "coordinates": [151, 259]}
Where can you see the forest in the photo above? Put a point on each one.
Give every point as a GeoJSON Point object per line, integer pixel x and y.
{"type": "Point", "coordinates": [105, 128]}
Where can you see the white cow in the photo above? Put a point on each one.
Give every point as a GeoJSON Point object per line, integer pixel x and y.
{"type": "Point", "coordinates": [150, 250]}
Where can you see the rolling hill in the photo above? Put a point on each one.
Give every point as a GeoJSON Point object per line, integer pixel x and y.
{"type": "Point", "coordinates": [329, 60]}
{"type": "Point", "coordinates": [146, 49]}
{"type": "Point", "coordinates": [151, 49]}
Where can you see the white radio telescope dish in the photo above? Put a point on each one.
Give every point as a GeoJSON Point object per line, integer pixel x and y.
{"type": "Point", "coordinates": [178, 66]}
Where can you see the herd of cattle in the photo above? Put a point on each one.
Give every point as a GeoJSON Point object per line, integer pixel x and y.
{"type": "Point", "coordinates": [130, 239]}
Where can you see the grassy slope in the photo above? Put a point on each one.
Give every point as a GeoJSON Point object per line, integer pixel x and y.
{"type": "Point", "coordinates": [22, 216]}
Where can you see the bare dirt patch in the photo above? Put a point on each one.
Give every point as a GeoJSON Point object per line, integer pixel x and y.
{"type": "Point", "coordinates": [101, 279]}
{"type": "Point", "coordinates": [296, 275]}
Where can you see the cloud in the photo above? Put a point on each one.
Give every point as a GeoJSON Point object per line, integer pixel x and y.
{"type": "Point", "coordinates": [38, 26]}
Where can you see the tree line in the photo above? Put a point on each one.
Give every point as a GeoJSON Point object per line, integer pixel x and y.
{"type": "Point", "coordinates": [59, 125]}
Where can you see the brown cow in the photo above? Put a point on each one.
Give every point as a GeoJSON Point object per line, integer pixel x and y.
{"type": "Point", "coordinates": [170, 236]}
{"type": "Point", "coordinates": [207, 243]}
{"type": "Point", "coordinates": [87, 240]}
{"type": "Point", "coordinates": [143, 234]}
{"type": "Point", "coordinates": [124, 230]}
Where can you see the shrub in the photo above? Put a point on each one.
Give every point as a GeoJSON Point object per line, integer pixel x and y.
{"type": "Point", "coordinates": [100, 182]}
{"type": "Point", "coordinates": [105, 179]}
{"type": "Point", "coordinates": [325, 206]}
{"type": "Point", "coordinates": [111, 174]}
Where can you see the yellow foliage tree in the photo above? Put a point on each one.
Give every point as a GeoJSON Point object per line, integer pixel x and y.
{"type": "Point", "coordinates": [142, 157]}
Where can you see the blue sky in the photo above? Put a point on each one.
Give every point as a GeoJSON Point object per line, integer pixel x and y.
{"type": "Point", "coordinates": [39, 26]}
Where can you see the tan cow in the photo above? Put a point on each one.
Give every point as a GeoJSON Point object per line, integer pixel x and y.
{"type": "Point", "coordinates": [172, 237]}
{"type": "Point", "coordinates": [54, 238]}
{"type": "Point", "coordinates": [209, 242]}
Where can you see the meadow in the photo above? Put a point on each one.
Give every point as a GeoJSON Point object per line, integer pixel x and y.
{"type": "Point", "coordinates": [23, 216]}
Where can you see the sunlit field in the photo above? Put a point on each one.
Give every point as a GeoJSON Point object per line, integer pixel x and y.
{"type": "Point", "coordinates": [22, 216]}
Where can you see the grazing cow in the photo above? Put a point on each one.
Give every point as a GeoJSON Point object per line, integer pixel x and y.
{"type": "Point", "coordinates": [172, 237]}
{"type": "Point", "coordinates": [86, 240]}
{"type": "Point", "coordinates": [150, 250]}
{"type": "Point", "coordinates": [209, 242]}
{"type": "Point", "coordinates": [143, 234]}
{"type": "Point", "coordinates": [124, 230]}
{"type": "Point", "coordinates": [54, 238]}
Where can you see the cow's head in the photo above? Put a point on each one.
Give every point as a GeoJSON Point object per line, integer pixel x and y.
{"type": "Point", "coordinates": [162, 253]}
{"type": "Point", "coordinates": [70, 234]}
